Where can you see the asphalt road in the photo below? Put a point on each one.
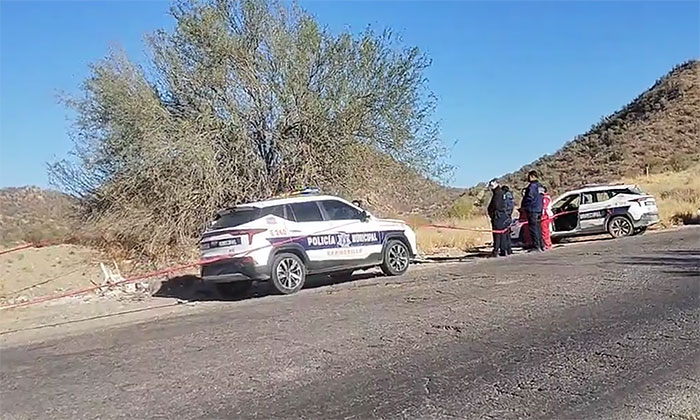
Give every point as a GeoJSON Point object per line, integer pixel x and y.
{"type": "Point", "coordinates": [605, 329]}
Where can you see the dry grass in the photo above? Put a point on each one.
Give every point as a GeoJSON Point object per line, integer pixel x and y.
{"type": "Point", "coordinates": [446, 241]}
{"type": "Point", "coordinates": [39, 272]}
{"type": "Point", "coordinates": [677, 194]}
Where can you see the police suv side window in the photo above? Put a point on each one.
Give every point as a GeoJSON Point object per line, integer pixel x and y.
{"type": "Point", "coordinates": [337, 210]}
{"type": "Point", "coordinates": [602, 196]}
{"type": "Point", "coordinates": [274, 210]}
{"type": "Point", "coordinates": [307, 212]}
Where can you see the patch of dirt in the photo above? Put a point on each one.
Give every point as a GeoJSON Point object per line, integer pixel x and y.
{"type": "Point", "coordinates": [37, 272]}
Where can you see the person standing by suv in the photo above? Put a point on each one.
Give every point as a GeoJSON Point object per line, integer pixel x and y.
{"type": "Point", "coordinates": [533, 205]}
{"type": "Point", "coordinates": [547, 218]}
{"type": "Point", "coordinates": [509, 201]}
{"type": "Point", "coordinates": [499, 219]}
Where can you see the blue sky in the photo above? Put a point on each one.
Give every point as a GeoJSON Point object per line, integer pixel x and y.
{"type": "Point", "coordinates": [514, 80]}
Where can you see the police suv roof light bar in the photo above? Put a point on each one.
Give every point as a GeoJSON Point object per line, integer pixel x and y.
{"type": "Point", "coordinates": [304, 191]}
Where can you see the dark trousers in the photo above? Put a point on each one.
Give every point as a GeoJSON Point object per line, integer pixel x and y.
{"type": "Point", "coordinates": [501, 243]}
{"type": "Point", "coordinates": [533, 224]}
{"type": "Point", "coordinates": [505, 243]}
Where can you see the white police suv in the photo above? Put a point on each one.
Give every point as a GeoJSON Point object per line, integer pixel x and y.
{"type": "Point", "coordinates": [617, 209]}
{"type": "Point", "coordinates": [285, 239]}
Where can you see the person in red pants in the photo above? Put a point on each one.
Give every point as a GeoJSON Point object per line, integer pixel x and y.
{"type": "Point", "coordinates": [522, 218]}
{"type": "Point", "coordinates": [547, 219]}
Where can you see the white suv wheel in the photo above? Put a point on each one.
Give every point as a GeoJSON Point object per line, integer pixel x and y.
{"type": "Point", "coordinates": [620, 226]}
{"type": "Point", "coordinates": [288, 273]}
{"type": "Point", "coordinates": [396, 258]}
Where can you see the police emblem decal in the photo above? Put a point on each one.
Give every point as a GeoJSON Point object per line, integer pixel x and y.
{"type": "Point", "coordinates": [344, 240]}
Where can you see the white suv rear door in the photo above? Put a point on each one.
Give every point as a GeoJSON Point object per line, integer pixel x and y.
{"type": "Point", "coordinates": [230, 232]}
{"type": "Point", "coordinates": [316, 234]}
{"type": "Point", "coordinates": [594, 210]}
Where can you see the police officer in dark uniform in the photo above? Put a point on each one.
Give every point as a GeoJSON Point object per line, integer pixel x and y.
{"type": "Point", "coordinates": [500, 220]}
{"type": "Point", "coordinates": [533, 204]}
{"type": "Point", "coordinates": [509, 201]}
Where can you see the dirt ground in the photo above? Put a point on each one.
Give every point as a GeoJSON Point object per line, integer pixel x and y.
{"type": "Point", "coordinates": [36, 272]}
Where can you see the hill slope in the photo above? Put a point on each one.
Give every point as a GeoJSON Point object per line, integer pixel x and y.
{"type": "Point", "coordinates": [30, 214]}
{"type": "Point", "coordinates": [658, 131]}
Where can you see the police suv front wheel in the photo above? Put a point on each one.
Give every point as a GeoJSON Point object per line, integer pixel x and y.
{"type": "Point", "coordinates": [396, 258]}
{"type": "Point", "coordinates": [288, 273]}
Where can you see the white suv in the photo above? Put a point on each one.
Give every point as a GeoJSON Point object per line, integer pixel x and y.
{"type": "Point", "coordinates": [620, 210]}
{"type": "Point", "coordinates": [284, 239]}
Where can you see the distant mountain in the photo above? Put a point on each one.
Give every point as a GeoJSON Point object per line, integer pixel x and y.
{"type": "Point", "coordinates": [658, 131]}
{"type": "Point", "coordinates": [29, 214]}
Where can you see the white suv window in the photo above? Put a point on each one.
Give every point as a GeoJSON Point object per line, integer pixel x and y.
{"type": "Point", "coordinates": [568, 203]}
{"type": "Point", "coordinates": [235, 216]}
{"type": "Point", "coordinates": [275, 211]}
{"type": "Point", "coordinates": [307, 212]}
{"type": "Point", "coordinates": [337, 210]}
{"type": "Point", "coordinates": [596, 197]}
{"type": "Point", "coordinates": [631, 191]}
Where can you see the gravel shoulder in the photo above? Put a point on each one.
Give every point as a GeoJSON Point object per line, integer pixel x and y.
{"type": "Point", "coordinates": [602, 329]}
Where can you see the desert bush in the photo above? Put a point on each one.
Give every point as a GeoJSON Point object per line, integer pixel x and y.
{"type": "Point", "coordinates": [242, 100]}
{"type": "Point", "coordinates": [677, 194]}
{"type": "Point", "coordinates": [435, 240]}
{"type": "Point", "coordinates": [463, 208]}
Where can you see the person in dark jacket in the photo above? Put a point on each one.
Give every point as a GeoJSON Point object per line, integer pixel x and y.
{"type": "Point", "coordinates": [499, 219]}
{"type": "Point", "coordinates": [533, 204]}
{"type": "Point", "coordinates": [509, 201]}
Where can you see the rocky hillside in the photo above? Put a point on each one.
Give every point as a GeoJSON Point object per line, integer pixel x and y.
{"type": "Point", "coordinates": [658, 131]}
{"type": "Point", "coordinates": [392, 189]}
{"type": "Point", "coordinates": [30, 214]}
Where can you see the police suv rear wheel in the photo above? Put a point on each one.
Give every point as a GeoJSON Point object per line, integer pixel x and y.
{"type": "Point", "coordinates": [288, 273]}
{"type": "Point", "coordinates": [620, 226]}
{"type": "Point", "coordinates": [396, 258]}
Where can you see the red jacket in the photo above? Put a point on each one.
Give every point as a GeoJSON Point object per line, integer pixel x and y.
{"type": "Point", "coordinates": [546, 211]}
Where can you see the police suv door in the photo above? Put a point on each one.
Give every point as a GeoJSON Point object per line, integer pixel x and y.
{"type": "Point", "coordinates": [314, 232]}
{"type": "Point", "coordinates": [357, 240]}
{"type": "Point", "coordinates": [593, 211]}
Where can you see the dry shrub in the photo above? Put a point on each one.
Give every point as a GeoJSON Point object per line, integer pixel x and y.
{"type": "Point", "coordinates": [677, 194]}
{"type": "Point", "coordinates": [433, 240]}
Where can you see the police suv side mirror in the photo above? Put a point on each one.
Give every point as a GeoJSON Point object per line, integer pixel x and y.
{"type": "Point", "coordinates": [364, 216]}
